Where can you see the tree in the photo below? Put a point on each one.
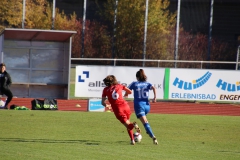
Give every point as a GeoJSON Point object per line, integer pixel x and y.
{"type": "Point", "coordinates": [130, 27]}
{"type": "Point", "coordinates": [9, 12]}
{"type": "Point", "coordinates": [96, 40]}
{"type": "Point", "coordinates": [39, 16]}
{"type": "Point", "coordinates": [194, 47]}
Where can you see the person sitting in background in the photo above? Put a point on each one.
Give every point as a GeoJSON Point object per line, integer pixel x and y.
{"type": "Point", "coordinates": [5, 82]}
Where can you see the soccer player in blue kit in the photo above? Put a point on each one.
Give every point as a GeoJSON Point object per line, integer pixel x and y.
{"type": "Point", "coordinates": [141, 102]}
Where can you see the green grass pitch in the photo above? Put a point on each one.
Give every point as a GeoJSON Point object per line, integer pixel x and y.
{"type": "Point", "coordinates": [66, 135]}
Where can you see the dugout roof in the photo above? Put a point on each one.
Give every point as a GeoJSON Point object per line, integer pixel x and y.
{"type": "Point", "coordinates": [37, 35]}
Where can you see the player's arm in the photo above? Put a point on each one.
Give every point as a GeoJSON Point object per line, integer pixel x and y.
{"type": "Point", "coordinates": [105, 104]}
{"type": "Point", "coordinates": [154, 93]}
{"type": "Point", "coordinates": [127, 92]}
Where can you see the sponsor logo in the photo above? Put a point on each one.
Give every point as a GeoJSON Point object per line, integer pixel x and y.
{"type": "Point", "coordinates": [81, 78]}
{"type": "Point", "coordinates": [230, 87]}
{"type": "Point", "coordinates": [94, 90]}
{"type": "Point", "coordinates": [194, 84]}
{"type": "Point", "coordinates": [95, 105]}
{"type": "Point", "coordinates": [97, 83]}
{"type": "Point", "coordinates": [101, 84]}
{"type": "Point", "coordinates": [229, 97]}
{"type": "Point", "coordinates": [193, 96]}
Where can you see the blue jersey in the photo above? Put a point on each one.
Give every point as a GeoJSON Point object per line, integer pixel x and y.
{"type": "Point", "coordinates": [140, 90]}
{"type": "Point", "coordinates": [141, 95]}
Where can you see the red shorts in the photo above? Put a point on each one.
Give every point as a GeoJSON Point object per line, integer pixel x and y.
{"type": "Point", "coordinates": [122, 113]}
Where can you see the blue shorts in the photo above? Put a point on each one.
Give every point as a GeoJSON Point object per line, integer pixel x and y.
{"type": "Point", "coordinates": [141, 108]}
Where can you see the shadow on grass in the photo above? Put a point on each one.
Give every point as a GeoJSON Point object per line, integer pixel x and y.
{"type": "Point", "coordinates": [23, 140]}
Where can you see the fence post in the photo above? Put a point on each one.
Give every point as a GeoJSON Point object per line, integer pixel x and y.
{"type": "Point", "coordinates": [23, 13]}
{"type": "Point", "coordinates": [177, 33]}
{"type": "Point", "coordinates": [53, 14]}
{"type": "Point", "coordinates": [237, 57]}
{"type": "Point", "coordinates": [210, 31]}
{"type": "Point", "coordinates": [145, 33]}
{"type": "Point", "coordinates": [114, 30]}
{"type": "Point", "coordinates": [83, 25]}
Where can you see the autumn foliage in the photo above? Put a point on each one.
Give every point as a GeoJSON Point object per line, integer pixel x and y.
{"type": "Point", "coordinates": [128, 33]}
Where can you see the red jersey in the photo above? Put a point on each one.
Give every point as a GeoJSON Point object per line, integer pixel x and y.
{"type": "Point", "coordinates": [119, 106]}
{"type": "Point", "coordinates": [114, 95]}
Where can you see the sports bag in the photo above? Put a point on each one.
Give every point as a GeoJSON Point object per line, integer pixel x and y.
{"type": "Point", "coordinates": [37, 104]}
{"type": "Point", "coordinates": [50, 104]}
{"type": "Point", "coordinates": [45, 104]}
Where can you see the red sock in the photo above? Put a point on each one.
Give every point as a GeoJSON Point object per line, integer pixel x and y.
{"type": "Point", "coordinates": [130, 126]}
{"type": "Point", "coordinates": [130, 133]}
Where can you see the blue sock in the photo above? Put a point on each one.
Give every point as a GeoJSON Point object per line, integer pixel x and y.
{"type": "Point", "coordinates": [148, 130]}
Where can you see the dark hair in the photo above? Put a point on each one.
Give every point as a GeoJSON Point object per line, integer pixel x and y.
{"type": "Point", "coordinates": [2, 64]}
{"type": "Point", "coordinates": [110, 80]}
{"type": "Point", "coordinates": [141, 75]}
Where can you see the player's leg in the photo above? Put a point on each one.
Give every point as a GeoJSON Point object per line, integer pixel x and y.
{"type": "Point", "coordinates": [9, 95]}
{"type": "Point", "coordinates": [143, 119]}
{"type": "Point", "coordinates": [148, 128]}
{"type": "Point", "coordinates": [123, 116]}
{"type": "Point", "coordinates": [140, 110]}
{"type": "Point", "coordinates": [146, 125]}
{"type": "Point", "coordinates": [129, 126]}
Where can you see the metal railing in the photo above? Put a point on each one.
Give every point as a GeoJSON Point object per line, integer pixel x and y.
{"type": "Point", "coordinates": [160, 61]}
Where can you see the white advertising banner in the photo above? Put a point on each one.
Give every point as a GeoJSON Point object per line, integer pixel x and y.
{"type": "Point", "coordinates": [207, 85]}
{"type": "Point", "coordinates": [89, 79]}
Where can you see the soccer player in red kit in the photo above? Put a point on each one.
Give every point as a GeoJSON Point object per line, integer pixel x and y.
{"type": "Point", "coordinates": [120, 107]}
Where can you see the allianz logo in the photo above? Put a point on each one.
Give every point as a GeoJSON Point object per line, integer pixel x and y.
{"type": "Point", "coordinates": [230, 87]}
{"type": "Point", "coordinates": [194, 84]}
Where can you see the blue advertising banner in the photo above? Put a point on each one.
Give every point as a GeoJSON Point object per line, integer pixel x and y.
{"type": "Point", "coordinates": [95, 105]}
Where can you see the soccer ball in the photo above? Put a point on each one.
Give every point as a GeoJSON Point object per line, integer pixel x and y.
{"type": "Point", "coordinates": [2, 103]}
{"type": "Point", "coordinates": [137, 137]}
